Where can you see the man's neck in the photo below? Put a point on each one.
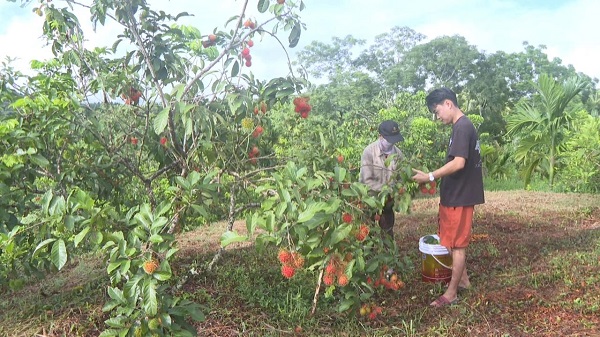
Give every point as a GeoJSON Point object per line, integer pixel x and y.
{"type": "Point", "coordinates": [457, 116]}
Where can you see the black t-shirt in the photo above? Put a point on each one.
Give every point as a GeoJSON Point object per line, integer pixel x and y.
{"type": "Point", "coordinates": [464, 187]}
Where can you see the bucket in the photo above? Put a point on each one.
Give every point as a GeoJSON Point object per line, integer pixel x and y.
{"type": "Point", "coordinates": [437, 262]}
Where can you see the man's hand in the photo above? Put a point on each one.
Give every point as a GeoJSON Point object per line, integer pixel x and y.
{"type": "Point", "coordinates": [420, 176]}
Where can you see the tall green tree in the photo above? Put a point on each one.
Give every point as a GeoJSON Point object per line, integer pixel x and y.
{"type": "Point", "coordinates": [581, 171]}
{"type": "Point", "coordinates": [349, 91]}
{"type": "Point", "coordinates": [540, 124]}
{"type": "Point", "coordinates": [328, 60]}
{"type": "Point", "coordinates": [448, 61]}
{"type": "Point", "coordinates": [387, 53]}
{"type": "Point", "coordinates": [593, 104]}
{"type": "Point", "coordinates": [502, 79]}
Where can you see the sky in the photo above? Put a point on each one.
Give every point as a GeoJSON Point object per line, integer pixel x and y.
{"type": "Point", "coordinates": [570, 29]}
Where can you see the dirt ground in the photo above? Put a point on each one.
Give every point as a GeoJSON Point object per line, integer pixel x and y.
{"type": "Point", "coordinates": [518, 290]}
{"type": "Point", "coordinates": [534, 266]}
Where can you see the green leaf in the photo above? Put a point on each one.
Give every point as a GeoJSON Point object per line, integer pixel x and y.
{"type": "Point", "coordinates": [156, 238]}
{"type": "Point", "coordinates": [184, 108]}
{"type": "Point", "coordinates": [161, 275]}
{"type": "Point", "coordinates": [158, 224]}
{"type": "Point", "coordinates": [235, 69]}
{"type": "Point", "coordinates": [284, 92]}
{"type": "Point", "coordinates": [349, 268]}
{"type": "Point", "coordinates": [334, 205]}
{"type": "Point", "coordinates": [345, 305]}
{"type": "Point", "coordinates": [314, 240]}
{"type": "Point", "coordinates": [301, 172]}
{"type": "Point", "coordinates": [82, 200]}
{"type": "Point", "coordinates": [166, 319]}
{"type": "Point", "coordinates": [370, 202]}
{"type": "Point", "coordinates": [250, 224]}
{"type": "Point", "coordinates": [286, 195]}
{"type": "Point", "coordinates": [230, 237]}
{"type": "Point", "coordinates": [340, 233]}
{"type": "Point", "coordinates": [270, 222]}
{"type": "Point", "coordinates": [144, 217]}
{"type": "Point", "coordinates": [57, 206]}
{"type": "Point", "coordinates": [183, 183]}
{"type": "Point", "coordinates": [42, 245]}
{"type": "Point", "coordinates": [116, 322]}
{"type": "Point", "coordinates": [301, 232]}
{"type": "Point", "coordinates": [39, 160]}
{"type": "Point", "coordinates": [307, 214]}
{"type": "Point", "coordinates": [129, 289]}
{"type": "Point", "coordinates": [170, 252]}
{"type": "Point", "coordinates": [317, 220]}
{"type": "Point", "coordinates": [312, 183]}
{"type": "Point", "coordinates": [58, 255]}
{"type": "Point", "coordinates": [294, 37]}
{"type": "Point", "coordinates": [178, 90]}
{"type": "Point", "coordinates": [263, 5]}
{"type": "Point", "coordinates": [360, 263]}
{"type": "Point", "coordinates": [161, 121]}
{"type": "Point", "coordinates": [348, 192]}
{"type": "Point", "coordinates": [340, 173]}
{"type": "Point", "coordinates": [149, 298]}
{"type": "Point", "coordinates": [110, 305]}
{"type": "Point", "coordinates": [117, 295]}
{"type": "Point", "coordinates": [114, 265]}
{"type": "Point", "coordinates": [194, 177]}
{"type": "Point", "coordinates": [200, 210]}
{"type": "Point", "coordinates": [281, 207]}
{"type": "Point", "coordinates": [98, 236]}
{"type": "Point", "coordinates": [125, 267]}
{"type": "Point", "coordinates": [163, 208]}
{"type": "Point", "coordinates": [69, 222]}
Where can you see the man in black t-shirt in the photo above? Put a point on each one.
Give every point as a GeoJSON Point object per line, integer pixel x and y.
{"type": "Point", "coordinates": [461, 187]}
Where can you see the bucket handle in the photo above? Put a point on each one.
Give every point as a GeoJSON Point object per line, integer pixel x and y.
{"type": "Point", "coordinates": [440, 262]}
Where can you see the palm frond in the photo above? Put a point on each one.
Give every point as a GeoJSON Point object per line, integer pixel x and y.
{"type": "Point", "coordinates": [525, 119]}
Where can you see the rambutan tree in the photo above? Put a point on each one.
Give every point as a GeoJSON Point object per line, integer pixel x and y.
{"type": "Point", "coordinates": [118, 148]}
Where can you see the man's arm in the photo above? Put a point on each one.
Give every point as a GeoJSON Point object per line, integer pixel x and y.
{"type": "Point", "coordinates": [456, 164]}
{"type": "Point", "coordinates": [367, 171]}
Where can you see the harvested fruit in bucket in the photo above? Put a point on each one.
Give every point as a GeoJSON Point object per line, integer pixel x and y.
{"type": "Point", "coordinates": [431, 240]}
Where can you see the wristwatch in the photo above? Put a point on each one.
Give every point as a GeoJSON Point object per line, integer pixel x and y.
{"type": "Point", "coordinates": [431, 177]}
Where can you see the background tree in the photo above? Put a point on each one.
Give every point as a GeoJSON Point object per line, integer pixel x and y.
{"type": "Point", "coordinates": [581, 155]}
{"type": "Point", "coordinates": [447, 61]}
{"type": "Point", "coordinates": [387, 53]}
{"type": "Point", "coordinates": [329, 60]}
{"type": "Point", "coordinates": [540, 124]}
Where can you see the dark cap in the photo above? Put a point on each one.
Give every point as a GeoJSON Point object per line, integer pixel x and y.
{"type": "Point", "coordinates": [390, 131]}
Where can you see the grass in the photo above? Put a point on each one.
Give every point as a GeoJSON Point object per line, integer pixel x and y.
{"type": "Point", "coordinates": [534, 266]}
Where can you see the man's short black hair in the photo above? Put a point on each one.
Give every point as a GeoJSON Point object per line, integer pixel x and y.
{"type": "Point", "coordinates": [438, 96]}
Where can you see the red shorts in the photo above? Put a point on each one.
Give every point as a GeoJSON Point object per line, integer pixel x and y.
{"type": "Point", "coordinates": [454, 226]}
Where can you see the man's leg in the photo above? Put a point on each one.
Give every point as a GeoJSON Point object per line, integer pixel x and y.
{"type": "Point", "coordinates": [386, 222]}
{"type": "Point", "coordinates": [455, 229]}
{"type": "Point", "coordinates": [459, 271]}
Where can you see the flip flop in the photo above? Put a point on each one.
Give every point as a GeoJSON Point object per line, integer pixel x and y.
{"type": "Point", "coordinates": [442, 302]}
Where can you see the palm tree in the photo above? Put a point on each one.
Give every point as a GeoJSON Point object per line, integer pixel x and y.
{"type": "Point", "coordinates": [540, 126]}
{"type": "Point", "coordinates": [594, 101]}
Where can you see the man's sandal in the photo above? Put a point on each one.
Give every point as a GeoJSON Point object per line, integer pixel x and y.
{"type": "Point", "coordinates": [442, 302]}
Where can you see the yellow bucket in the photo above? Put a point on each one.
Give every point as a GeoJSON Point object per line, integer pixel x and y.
{"type": "Point", "coordinates": [437, 262]}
